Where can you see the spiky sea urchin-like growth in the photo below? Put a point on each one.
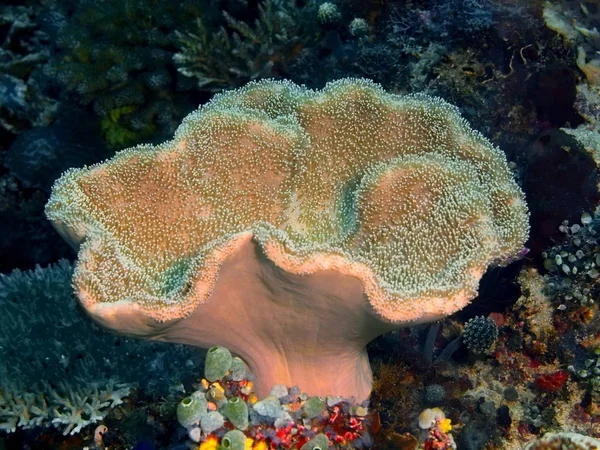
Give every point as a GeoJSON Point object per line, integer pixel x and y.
{"type": "Point", "coordinates": [293, 226]}
{"type": "Point", "coordinates": [479, 334]}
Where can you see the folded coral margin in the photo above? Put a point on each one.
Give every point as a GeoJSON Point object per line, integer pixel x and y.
{"type": "Point", "coordinates": [293, 226]}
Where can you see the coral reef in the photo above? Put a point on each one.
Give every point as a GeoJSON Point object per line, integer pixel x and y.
{"type": "Point", "coordinates": [81, 79]}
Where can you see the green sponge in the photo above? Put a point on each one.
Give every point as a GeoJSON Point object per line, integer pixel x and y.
{"type": "Point", "coordinates": [217, 364]}
{"type": "Point", "coordinates": [313, 407]}
{"type": "Point", "coordinates": [319, 442]}
{"type": "Point", "coordinates": [234, 440]}
{"type": "Point", "coordinates": [236, 411]}
{"type": "Point", "coordinates": [191, 409]}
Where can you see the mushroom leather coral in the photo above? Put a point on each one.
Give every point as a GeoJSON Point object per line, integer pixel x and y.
{"type": "Point", "coordinates": [293, 226]}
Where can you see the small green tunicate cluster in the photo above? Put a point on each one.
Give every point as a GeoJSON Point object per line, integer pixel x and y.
{"type": "Point", "coordinates": [191, 409]}
{"type": "Point", "coordinates": [226, 412]}
{"type": "Point", "coordinates": [236, 411]}
{"type": "Point", "coordinates": [270, 407]}
{"type": "Point", "coordinates": [314, 407]}
{"type": "Point", "coordinates": [217, 364]}
{"type": "Point", "coordinates": [194, 412]}
{"type": "Point", "coordinates": [479, 334]}
{"type": "Point", "coordinates": [319, 442]}
{"type": "Point", "coordinates": [234, 440]}
{"type": "Point", "coordinates": [574, 265]}
{"type": "Point", "coordinates": [238, 369]}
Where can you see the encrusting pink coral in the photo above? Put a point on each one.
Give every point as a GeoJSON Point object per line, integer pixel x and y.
{"type": "Point", "coordinates": [292, 227]}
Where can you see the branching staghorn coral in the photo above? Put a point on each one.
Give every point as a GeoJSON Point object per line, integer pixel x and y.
{"type": "Point", "coordinates": [61, 407]}
{"type": "Point", "coordinates": [293, 226]}
{"type": "Point", "coordinates": [55, 370]}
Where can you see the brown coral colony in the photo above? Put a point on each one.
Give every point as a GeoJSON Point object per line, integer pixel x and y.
{"type": "Point", "coordinates": [293, 226]}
